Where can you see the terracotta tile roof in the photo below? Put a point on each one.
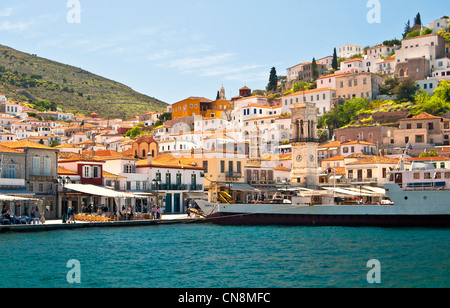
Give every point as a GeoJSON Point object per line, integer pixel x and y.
{"type": "Point", "coordinates": [445, 150]}
{"type": "Point", "coordinates": [72, 157]}
{"type": "Point", "coordinates": [281, 168]}
{"type": "Point", "coordinates": [422, 116]}
{"type": "Point", "coordinates": [310, 91]}
{"type": "Point", "coordinates": [333, 158]}
{"type": "Point", "coordinates": [358, 142]}
{"type": "Point", "coordinates": [338, 170]}
{"type": "Point", "coordinates": [107, 174]}
{"type": "Point", "coordinates": [374, 160]}
{"type": "Point", "coordinates": [5, 149]}
{"type": "Point", "coordinates": [64, 171]}
{"type": "Point", "coordinates": [25, 144]}
{"type": "Point", "coordinates": [435, 158]}
{"type": "Point", "coordinates": [332, 144]}
{"type": "Point", "coordinates": [145, 138]}
{"type": "Point", "coordinates": [102, 153]}
{"type": "Point", "coordinates": [333, 75]}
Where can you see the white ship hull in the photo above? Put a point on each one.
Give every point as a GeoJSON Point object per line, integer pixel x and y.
{"type": "Point", "coordinates": [411, 208]}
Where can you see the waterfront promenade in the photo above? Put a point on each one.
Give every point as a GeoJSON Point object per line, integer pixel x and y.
{"type": "Point", "coordinates": [52, 225]}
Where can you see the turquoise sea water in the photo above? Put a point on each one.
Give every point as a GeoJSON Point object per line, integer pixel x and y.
{"type": "Point", "coordinates": [210, 256]}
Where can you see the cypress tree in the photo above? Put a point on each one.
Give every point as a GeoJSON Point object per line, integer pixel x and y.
{"type": "Point", "coordinates": [418, 20]}
{"type": "Point", "coordinates": [407, 28]}
{"type": "Point", "coordinates": [273, 80]}
{"type": "Point", "coordinates": [334, 63]}
{"type": "Point", "coordinates": [315, 71]}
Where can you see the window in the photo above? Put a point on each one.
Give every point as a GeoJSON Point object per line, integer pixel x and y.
{"type": "Point", "coordinates": [438, 175]}
{"type": "Point", "coordinates": [427, 175]}
{"type": "Point", "coordinates": [129, 168]}
{"type": "Point", "coordinates": [86, 171]}
{"type": "Point", "coordinates": [408, 126]}
{"type": "Point", "coordinates": [205, 165]}
{"type": "Point", "coordinates": [222, 166]}
{"type": "Point", "coordinates": [47, 166]}
{"type": "Point", "coordinates": [36, 165]}
{"type": "Point", "coordinates": [447, 175]}
{"type": "Point", "coordinates": [11, 172]}
{"type": "Point", "coordinates": [369, 173]}
{"type": "Point", "coordinates": [416, 176]}
{"type": "Point", "coordinates": [96, 172]}
{"type": "Point", "coordinates": [419, 139]}
{"type": "Point", "coordinates": [419, 125]}
{"type": "Point", "coordinates": [238, 167]}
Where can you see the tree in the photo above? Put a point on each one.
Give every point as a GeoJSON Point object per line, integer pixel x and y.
{"type": "Point", "coordinates": [407, 28]}
{"type": "Point", "coordinates": [405, 90]}
{"type": "Point", "coordinates": [166, 116]}
{"type": "Point", "coordinates": [273, 80]}
{"type": "Point", "coordinates": [314, 69]}
{"type": "Point", "coordinates": [334, 63]}
{"type": "Point", "coordinates": [418, 20]}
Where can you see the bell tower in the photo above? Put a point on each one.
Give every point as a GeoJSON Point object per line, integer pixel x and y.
{"type": "Point", "coordinates": [305, 166]}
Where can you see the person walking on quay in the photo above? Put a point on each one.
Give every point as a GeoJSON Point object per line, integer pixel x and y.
{"type": "Point", "coordinates": [158, 213]}
{"type": "Point", "coordinates": [153, 213]}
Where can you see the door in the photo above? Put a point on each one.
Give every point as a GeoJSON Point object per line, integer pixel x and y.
{"type": "Point", "coordinates": [176, 203]}
{"type": "Point", "coordinates": [360, 175]}
{"type": "Point", "coordinates": [168, 203]}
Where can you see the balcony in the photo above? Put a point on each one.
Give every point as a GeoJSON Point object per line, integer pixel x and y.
{"type": "Point", "coordinates": [233, 175]}
{"type": "Point", "coordinates": [304, 140]}
{"type": "Point", "coordinates": [12, 182]}
{"type": "Point", "coordinates": [176, 187]}
{"type": "Point", "coordinates": [262, 182]}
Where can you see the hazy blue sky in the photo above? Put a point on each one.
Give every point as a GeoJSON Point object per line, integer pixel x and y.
{"type": "Point", "coordinates": [174, 49]}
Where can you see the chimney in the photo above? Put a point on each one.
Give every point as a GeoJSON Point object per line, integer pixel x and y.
{"type": "Point", "coordinates": [149, 158]}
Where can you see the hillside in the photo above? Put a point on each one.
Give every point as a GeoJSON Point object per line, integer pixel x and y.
{"type": "Point", "coordinates": [25, 77]}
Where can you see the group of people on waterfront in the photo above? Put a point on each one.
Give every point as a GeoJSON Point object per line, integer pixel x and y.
{"type": "Point", "coordinates": [8, 218]}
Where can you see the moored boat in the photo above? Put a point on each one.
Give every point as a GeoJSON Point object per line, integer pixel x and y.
{"type": "Point", "coordinates": [416, 197]}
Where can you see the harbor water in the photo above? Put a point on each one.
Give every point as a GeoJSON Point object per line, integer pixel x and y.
{"type": "Point", "coordinates": [210, 256]}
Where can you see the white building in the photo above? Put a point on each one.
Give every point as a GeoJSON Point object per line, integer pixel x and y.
{"type": "Point", "coordinates": [323, 98]}
{"type": "Point", "coordinates": [349, 50]}
{"type": "Point", "coordinates": [440, 24]}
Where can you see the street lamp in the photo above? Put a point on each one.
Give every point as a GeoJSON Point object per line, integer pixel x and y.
{"type": "Point", "coordinates": [63, 181]}
{"type": "Point", "coordinates": [156, 183]}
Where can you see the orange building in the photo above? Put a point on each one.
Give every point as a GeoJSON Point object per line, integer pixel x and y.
{"type": "Point", "coordinates": [193, 106]}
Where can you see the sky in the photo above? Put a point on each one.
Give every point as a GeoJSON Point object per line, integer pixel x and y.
{"type": "Point", "coordinates": [174, 49]}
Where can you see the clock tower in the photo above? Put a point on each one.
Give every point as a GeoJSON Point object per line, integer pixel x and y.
{"type": "Point", "coordinates": [305, 166]}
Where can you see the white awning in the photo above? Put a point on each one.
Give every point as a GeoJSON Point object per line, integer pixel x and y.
{"type": "Point", "coordinates": [349, 192]}
{"type": "Point", "coordinates": [14, 198]}
{"type": "Point", "coordinates": [377, 190]}
{"type": "Point", "coordinates": [197, 195]}
{"type": "Point", "coordinates": [99, 191]}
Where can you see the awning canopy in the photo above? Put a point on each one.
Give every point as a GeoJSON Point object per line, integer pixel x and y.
{"type": "Point", "coordinates": [242, 186]}
{"type": "Point", "coordinates": [196, 195]}
{"type": "Point", "coordinates": [15, 198]}
{"type": "Point", "coordinates": [349, 192]}
{"type": "Point", "coordinates": [100, 191]}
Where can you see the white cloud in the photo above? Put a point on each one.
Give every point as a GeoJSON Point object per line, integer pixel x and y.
{"type": "Point", "coordinates": [6, 12]}
{"type": "Point", "coordinates": [20, 25]}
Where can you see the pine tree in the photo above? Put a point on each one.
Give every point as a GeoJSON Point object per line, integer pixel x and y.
{"type": "Point", "coordinates": [314, 69]}
{"type": "Point", "coordinates": [334, 63]}
{"type": "Point", "coordinates": [418, 20]}
{"type": "Point", "coordinates": [273, 80]}
{"type": "Point", "coordinates": [407, 28]}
